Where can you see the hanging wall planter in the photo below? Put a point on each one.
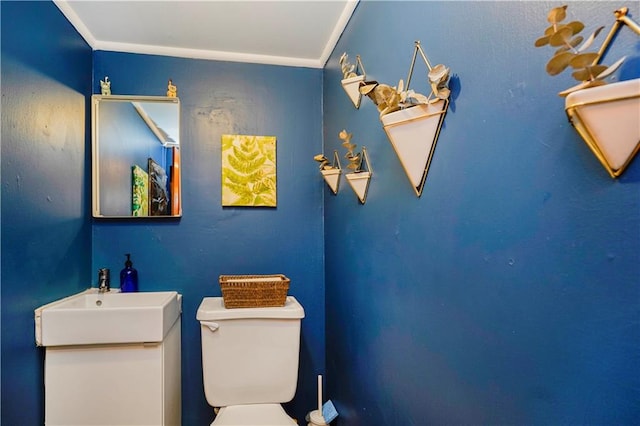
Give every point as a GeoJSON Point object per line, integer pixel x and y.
{"type": "Point", "coordinates": [330, 172]}
{"type": "Point", "coordinates": [353, 75]}
{"type": "Point", "coordinates": [608, 119]}
{"type": "Point", "coordinates": [413, 121]}
{"type": "Point", "coordinates": [413, 133]}
{"type": "Point", "coordinates": [359, 163]}
{"type": "Point", "coordinates": [359, 181]}
{"type": "Point", "coordinates": [332, 177]}
{"type": "Point", "coordinates": [605, 115]}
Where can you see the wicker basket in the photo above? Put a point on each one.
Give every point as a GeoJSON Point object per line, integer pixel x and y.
{"type": "Point", "coordinates": [254, 291]}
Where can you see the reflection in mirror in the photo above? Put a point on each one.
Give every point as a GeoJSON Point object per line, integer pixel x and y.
{"type": "Point", "coordinates": [136, 156]}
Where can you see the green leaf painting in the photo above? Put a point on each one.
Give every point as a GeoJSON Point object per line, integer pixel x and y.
{"type": "Point", "coordinates": [249, 170]}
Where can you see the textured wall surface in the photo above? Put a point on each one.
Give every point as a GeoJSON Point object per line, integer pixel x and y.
{"type": "Point", "coordinates": [50, 246]}
{"type": "Point", "coordinates": [46, 226]}
{"type": "Point", "coordinates": [509, 292]}
{"type": "Point", "coordinates": [189, 254]}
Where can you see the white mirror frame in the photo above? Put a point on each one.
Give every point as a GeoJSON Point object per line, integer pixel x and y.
{"type": "Point", "coordinates": [145, 135]}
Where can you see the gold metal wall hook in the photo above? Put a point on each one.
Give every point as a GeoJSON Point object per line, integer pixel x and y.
{"type": "Point", "coordinates": [336, 160]}
{"type": "Point", "coordinates": [417, 48]}
{"type": "Point", "coordinates": [359, 66]}
{"type": "Point", "coordinates": [622, 18]}
{"type": "Point", "coordinates": [365, 163]}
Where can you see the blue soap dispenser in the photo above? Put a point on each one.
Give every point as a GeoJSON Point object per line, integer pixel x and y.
{"type": "Point", "coordinates": [128, 277]}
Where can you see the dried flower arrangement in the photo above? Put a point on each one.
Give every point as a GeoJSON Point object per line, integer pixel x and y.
{"type": "Point", "coordinates": [352, 76]}
{"type": "Point", "coordinates": [355, 159]}
{"type": "Point", "coordinates": [571, 52]}
{"type": "Point", "coordinates": [604, 115]}
{"type": "Point", "coordinates": [359, 166]}
{"type": "Point", "coordinates": [324, 162]}
{"type": "Point", "coordinates": [361, 172]}
{"type": "Point", "coordinates": [348, 69]}
{"type": "Point", "coordinates": [390, 99]}
{"type": "Point", "coordinates": [330, 172]}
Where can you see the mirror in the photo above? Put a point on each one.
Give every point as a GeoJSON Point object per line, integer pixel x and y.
{"type": "Point", "coordinates": [136, 156]}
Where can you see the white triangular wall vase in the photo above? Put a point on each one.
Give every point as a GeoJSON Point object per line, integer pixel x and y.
{"type": "Point", "coordinates": [352, 87]}
{"type": "Point", "coordinates": [413, 133]}
{"type": "Point", "coordinates": [332, 177]}
{"type": "Point", "coordinates": [359, 182]}
{"type": "Point", "coordinates": [607, 118]}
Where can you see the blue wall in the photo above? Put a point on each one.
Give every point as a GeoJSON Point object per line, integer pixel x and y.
{"type": "Point", "coordinates": [46, 227]}
{"type": "Point", "coordinates": [51, 248]}
{"type": "Point", "coordinates": [189, 254]}
{"type": "Point", "coordinates": [509, 292]}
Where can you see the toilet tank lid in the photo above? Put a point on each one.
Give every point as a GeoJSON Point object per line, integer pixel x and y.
{"type": "Point", "coordinates": [212, 308]}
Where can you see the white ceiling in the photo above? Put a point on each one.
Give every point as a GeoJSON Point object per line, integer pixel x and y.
{"type": "Point", "coordinates": [299, 33]}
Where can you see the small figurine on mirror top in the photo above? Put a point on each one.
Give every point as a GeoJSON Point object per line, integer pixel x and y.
{"type": "Point", "coordinates": [172, 90]}
{"type": "Point", "coordinates": [105, 86]}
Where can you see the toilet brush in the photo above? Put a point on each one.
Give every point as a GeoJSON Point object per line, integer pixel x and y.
{"type": "Point", "coordinates": [315, 417]}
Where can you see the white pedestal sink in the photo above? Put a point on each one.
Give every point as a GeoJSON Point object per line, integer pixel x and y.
{"type": "Point", "coordinates": [112, 358]}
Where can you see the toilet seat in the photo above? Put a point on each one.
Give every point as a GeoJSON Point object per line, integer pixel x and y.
{"type": "Point", "coordinates": [254, 415]}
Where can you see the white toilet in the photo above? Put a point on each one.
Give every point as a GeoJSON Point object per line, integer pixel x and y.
{"type": "Point", "coordinates": [250, 360]}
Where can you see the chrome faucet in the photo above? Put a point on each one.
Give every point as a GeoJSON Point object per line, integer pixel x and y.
{"type": "Point", "coordinates": [104, 283]}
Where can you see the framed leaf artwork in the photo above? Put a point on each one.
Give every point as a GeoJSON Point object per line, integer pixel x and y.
{"type": "Point", "coordinates": [249, 171]}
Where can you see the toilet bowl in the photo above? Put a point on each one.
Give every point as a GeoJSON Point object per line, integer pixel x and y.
{"type": "Point", "coordinates": [253, 414]}
{"type": "Point", "coordinates": [250, 360]}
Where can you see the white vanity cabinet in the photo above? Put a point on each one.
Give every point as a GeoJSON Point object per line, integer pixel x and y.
{"type": "Point", "coordinates": [118, 383]}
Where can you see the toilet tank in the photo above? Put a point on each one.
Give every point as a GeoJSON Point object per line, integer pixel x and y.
{"type": "Point", "coordinates": [249, 355]}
